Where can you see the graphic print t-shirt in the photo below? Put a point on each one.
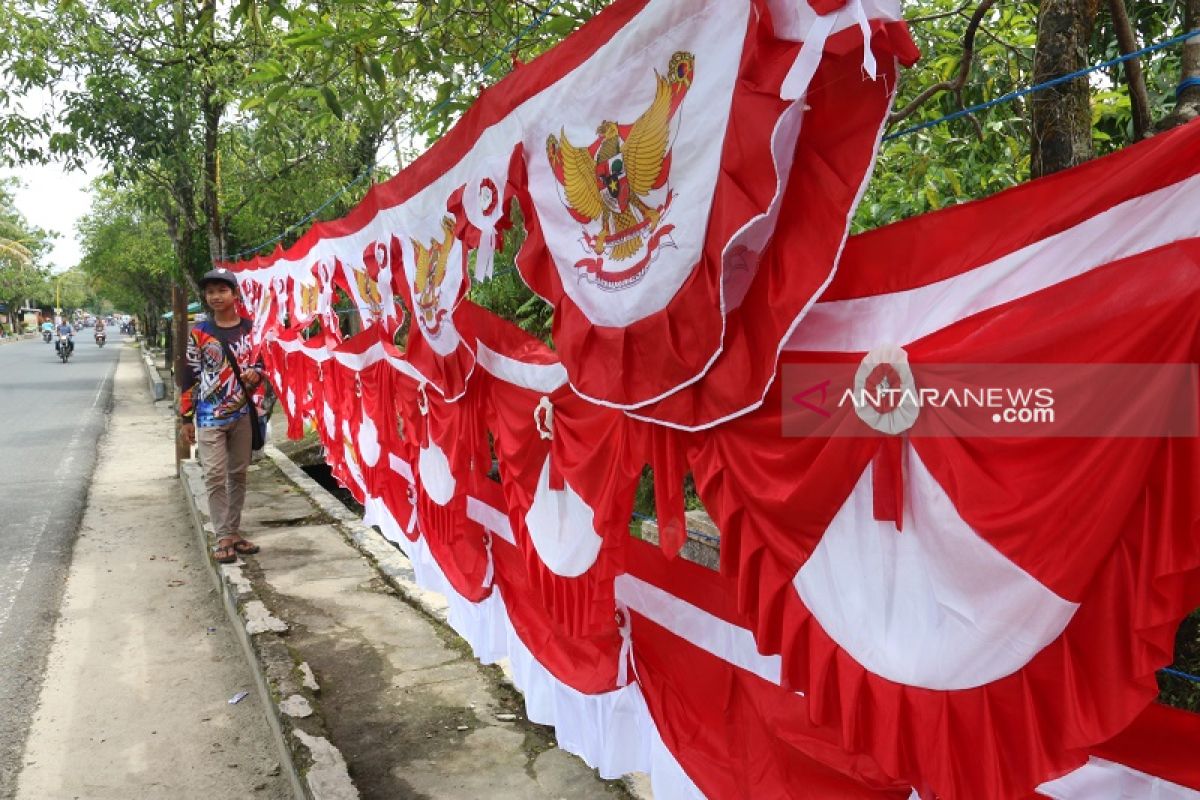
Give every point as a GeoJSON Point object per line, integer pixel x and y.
{"type": "Point", "coordinates": [216, 394]}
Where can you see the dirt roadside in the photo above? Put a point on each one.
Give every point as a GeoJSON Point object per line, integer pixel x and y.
{"type": "Point", "coordinates": [135, 700]}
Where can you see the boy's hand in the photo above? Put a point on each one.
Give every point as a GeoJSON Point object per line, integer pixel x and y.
{"type": "Point", "coordinates": [252, 377]}
{"type": "Point", "coordinates": [188, 431]}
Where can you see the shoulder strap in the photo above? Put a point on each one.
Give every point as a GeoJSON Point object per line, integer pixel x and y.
{"type": "Point", "coordinates": [232, 359]}
{"type": "Point", "coordinates": [237, 373]}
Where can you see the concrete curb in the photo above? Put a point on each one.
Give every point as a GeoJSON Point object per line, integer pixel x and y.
{"type": "Point", "coordinates": [278, 678]}
{"type": "Point", "coordinates": [158, 389]}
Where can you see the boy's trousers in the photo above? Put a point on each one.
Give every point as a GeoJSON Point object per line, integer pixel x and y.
{"type": "Point", "coordinates": [225, 455]}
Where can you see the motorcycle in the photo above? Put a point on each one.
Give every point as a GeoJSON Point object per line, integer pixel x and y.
{"type": "Point", "coordinates": [47, 336]}
{"type": "Point", "coordinates": [64, 347]}
{"type": "Point", "coordinates": [100, 337]}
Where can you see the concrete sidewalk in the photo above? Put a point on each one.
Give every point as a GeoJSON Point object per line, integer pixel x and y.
{"type": "Point", "coordinates": [20, 337]}
{"type": "Point", "coordinates": [135, 701]}
{"type": "Point", "coordinates": [376, 697]}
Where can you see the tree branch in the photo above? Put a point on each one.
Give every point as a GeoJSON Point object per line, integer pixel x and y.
{"type": "Point", "coordinates": [1012, 48]}
{"type": "Point", "coordinates": [940, 15]}
{"type": "Point", "coordinates": [964, 68]}
{"type": "Point", "coordinates": [1139, 98]}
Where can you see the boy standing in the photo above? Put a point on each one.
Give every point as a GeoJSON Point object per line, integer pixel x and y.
{"type": "Point", "coordinates": [214, 408]}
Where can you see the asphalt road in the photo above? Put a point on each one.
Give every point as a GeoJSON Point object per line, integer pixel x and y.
{"type": "Point", "coordinates": [51, 418]}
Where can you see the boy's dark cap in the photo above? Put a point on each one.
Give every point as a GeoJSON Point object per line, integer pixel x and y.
{"type": "Point", "coordinates": [222, 275]}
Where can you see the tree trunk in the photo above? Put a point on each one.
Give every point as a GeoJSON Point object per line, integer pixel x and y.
{"type": "Point", "coordinates": [212, 178]}
{"type": "Point", "coordinates": [1061, 117]}
{"type": "Point", "coordinates": [370, 137]}
{"type": "Point", "coordinates": [179, 322]}
{"type": "Point", "coordinates": [1187, 101]}
{"type": "Point", "coordinates": [211, 109]}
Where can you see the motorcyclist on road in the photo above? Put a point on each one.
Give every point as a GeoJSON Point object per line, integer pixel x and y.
{"type": "Point", "coordinates": [48, 330]}
{"type": "Point", "coordinates": [65, 333]}
{"type": "Point", "coordinates": [99, 329]}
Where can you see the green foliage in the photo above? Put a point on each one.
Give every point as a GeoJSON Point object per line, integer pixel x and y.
{"type": "Point", "coordinates": [71, 290]}
{"type": "Point", "coordinates": [977, 156]}
{"type": "Point", "coordinates": [379, 62]}
{"type": "Point", "coordinates": [1180, 692]}
{"type": "Point", "coordinates": [127, 253]}
{"type": "Point", "coordinates": [22, 247]}
{"type": "Point", "coordinates": [507, 296]}
{"type": "Point", "coordinates": [960, 160]}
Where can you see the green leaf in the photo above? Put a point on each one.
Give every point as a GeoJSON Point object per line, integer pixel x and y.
{"type": "Point", "coordinates": [932, 197]}
{"type": "Point", "coordinates": [332, 102]}
{"type": "Point", "coordinates": [307, 37]}
{"type": "Point", "coordinates": [375, 69]}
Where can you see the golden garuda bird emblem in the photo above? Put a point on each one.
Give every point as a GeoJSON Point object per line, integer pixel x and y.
{"type": "Point", "coordinates": [308, 300]}
{"type": "Point", "coordinates": [368, 290]}
{"type": "Point", "coordinates": [618, 185]}
{"type": "Point", "coordinates": [432, 261]}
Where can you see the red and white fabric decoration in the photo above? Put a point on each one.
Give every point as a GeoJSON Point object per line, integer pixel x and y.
{"type": "Point", "coordinates": [652, 207]}
{"type": "Point", "coordinates": [653, 157]}
{"type": "Point", "coordinates": [1039, 575]}
{"type": "Point", "coordinates": [912, 601]}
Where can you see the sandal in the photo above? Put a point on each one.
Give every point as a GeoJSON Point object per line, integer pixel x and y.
{"type": "Point", "coordinates": [225, 552]}
{"type": "Point", "coordinates": [244, 547]}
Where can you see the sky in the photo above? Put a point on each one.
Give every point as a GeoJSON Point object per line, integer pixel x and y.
{"type": "Point", "coordinates": [54, 199]}
{"type": "Point", "coordinates": [49, 196]}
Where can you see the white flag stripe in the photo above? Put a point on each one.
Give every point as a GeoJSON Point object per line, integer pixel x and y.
{"type": "Point", "coordinates": [1105, 780]}
{"type": "Point", "coordinates": [1135, 226]}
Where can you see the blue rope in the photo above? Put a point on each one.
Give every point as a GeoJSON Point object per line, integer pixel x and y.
{"type": "Point", "coordinates": [1186, 84]}
{"type": "Point", "coordinates": [308, 218]}
{"type": "Point", "coordinates": [1070, 76]}
{"type": "Point", "coordinates": [1184, 675]}
{"type": "Point", "coordinates": [537, 20]}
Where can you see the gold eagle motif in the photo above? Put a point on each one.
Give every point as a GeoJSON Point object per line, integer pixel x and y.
{"type": "Point", "coordinates": [308, 299]}
{"type": "Point", "coordinates": [610, 180]}
{"type": "Point", "coordinates": [432, 261]}
{"type": "Point", "coordinates": [368, 290]}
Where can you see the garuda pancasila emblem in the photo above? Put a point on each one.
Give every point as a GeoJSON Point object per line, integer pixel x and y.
{"type": "Point", "coordinates": [432, 261]}
{"type": "Point", "coordinates": [368, 290]}
{"type": "Point", "coordinates": [309, 298]}
{"type": "Point", "coordinates": [618, 186]}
